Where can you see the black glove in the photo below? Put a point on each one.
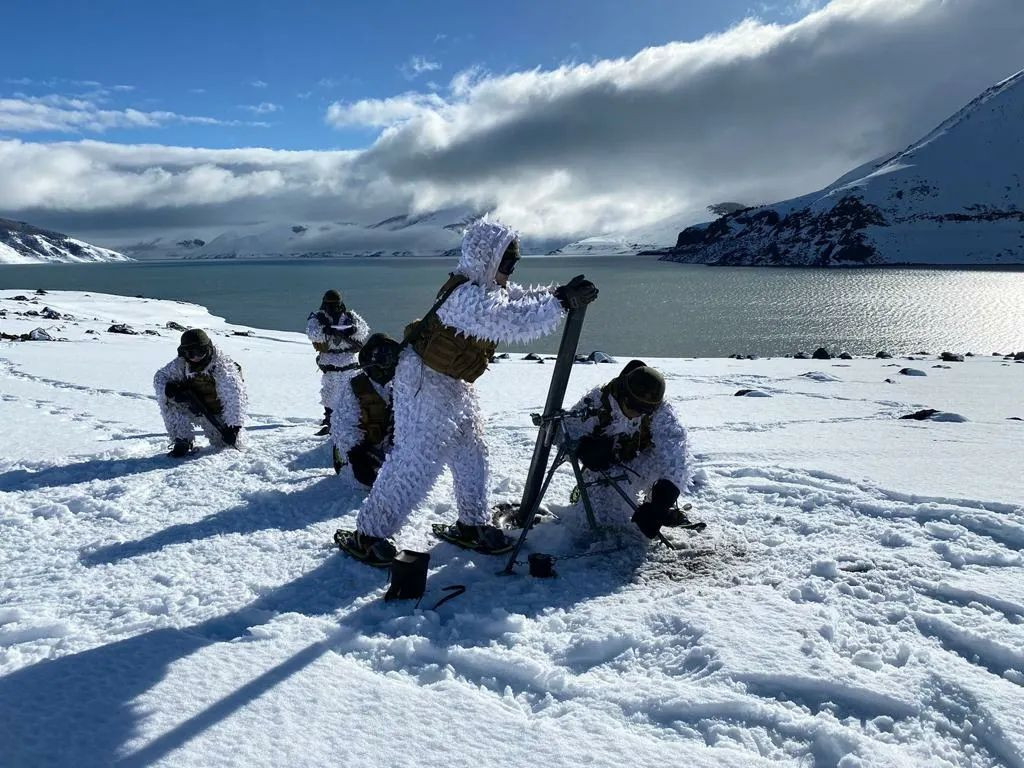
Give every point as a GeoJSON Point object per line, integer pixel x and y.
{"type": "Point", "coordinates": [664, 494]}
{"type": "Point", "coordinates": [230, 435]}
{"type": "Point", "coordinates": [648, 519]}
{"type": "Point", "coordinates": [366, 462]}
{"type": "Point", "coordinates": [177, 391]}
{"type": "Point", "coordinates": [577, 293]}
{"type": "Point", "coordinates": [596, 452]}
{"type": "Point", "coordinates": [659, 509]}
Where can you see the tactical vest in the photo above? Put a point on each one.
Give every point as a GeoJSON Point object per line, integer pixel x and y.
{"type": "Point", "coordinates": [376, 418]}
{"type": "Point", "coordinates": [446, 349]}
{"type": "Point", "coordinates": [325, 346]}
{"type": "Point", "coordinates": [203, 386]}
{"type": "Point", "coordinates": [627, 447]}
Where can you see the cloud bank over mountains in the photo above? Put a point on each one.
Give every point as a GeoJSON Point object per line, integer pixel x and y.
{"type": "Point", "coordinates": [756, 113]}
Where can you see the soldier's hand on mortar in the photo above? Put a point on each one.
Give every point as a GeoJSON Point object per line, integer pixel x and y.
{"type": "Point", "coordinates": [577, 293]}
{"type": "Point", "coordinates": [596, 452]}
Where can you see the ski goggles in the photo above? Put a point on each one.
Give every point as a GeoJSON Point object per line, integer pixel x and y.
{"type": "Point", "coordinates": [508, 261]}
{"type": "Point", "coordinates": [193, 354]}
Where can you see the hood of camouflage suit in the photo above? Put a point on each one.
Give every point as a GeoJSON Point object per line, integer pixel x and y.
{"type": "Point", "coordinates": [483, 245]}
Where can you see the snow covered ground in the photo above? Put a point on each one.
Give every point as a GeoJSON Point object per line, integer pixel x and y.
{"type": "Point", "coordinates": [857, 600]}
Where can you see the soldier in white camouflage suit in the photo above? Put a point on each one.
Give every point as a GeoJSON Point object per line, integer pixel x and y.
{"type": "Point", "coordinates": [201, 387]}
{"type": "Point", "coordinates": [626, 428]}
{"type": "Point", "coordinates": [437, 418]}
{"type": "Point", "coordinates": [337, 333]}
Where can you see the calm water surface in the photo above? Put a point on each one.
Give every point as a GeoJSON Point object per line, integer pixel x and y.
{"type": "Point", "coordinates": [646, 307]}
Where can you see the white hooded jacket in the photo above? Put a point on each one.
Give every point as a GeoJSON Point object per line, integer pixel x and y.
{"type": "Point", "coordinates": [437, 418]}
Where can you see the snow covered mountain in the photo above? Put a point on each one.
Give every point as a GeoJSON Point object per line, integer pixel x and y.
{"type": "Point", "coordinates": [954, 197]}
{"type": "Point", "coordinates": [427, 234]}
{"type": "Point", "coordinates": [657, 235]}
{"type": "Point", "coordinates": [21, 243]}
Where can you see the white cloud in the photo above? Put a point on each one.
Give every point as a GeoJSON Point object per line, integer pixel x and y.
{"type": "Point", "coordinates": [263, 108]}
{"type": "Point", "coordinates": [62, 114]}
{"type": "Point", "coordinates": [197, 90]}
{"type": "Point", "coordinates": [384, 112]}
{"type": "Point", "coordinates": [757, 113]}
{"type": "Point", "coordinates": [258, 83]}
{"type": "Point", "coordinates": [417, 65]}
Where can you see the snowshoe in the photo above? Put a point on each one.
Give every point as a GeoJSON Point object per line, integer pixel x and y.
{"type": "Point", "coordinates": [486, 539]}
{"type": "Point", "coordinates": [182, 448]}
{"type": "Point", "coordinates": [368, 549]}
{"type": "Point", "coordinates": [506, 515]}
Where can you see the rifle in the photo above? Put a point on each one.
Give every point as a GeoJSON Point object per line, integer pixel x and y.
{"type": "Point", "coordinates": [190, 400]}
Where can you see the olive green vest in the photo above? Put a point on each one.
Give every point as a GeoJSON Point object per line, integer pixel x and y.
{"type": "Point", "coordinates": [448, 350]}
{"type": "Point", "coordinates": [627, 447]}
{"type": "Point", "coordinates": [204, 388]}
{"type": "Point", "coordinates": [376, 418]}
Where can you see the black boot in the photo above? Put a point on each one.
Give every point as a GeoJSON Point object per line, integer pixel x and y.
{"type": "Point", "coordinates": [326, 428]}
{"type": "Point", "coordinates": [488, 539]}
{"type": "Point", "coordinates": [370, 549]}
{"type": "Point", "coordinates": [182, 447]}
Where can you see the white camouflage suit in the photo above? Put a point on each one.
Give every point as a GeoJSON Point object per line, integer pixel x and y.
{"type": "Point", "coordinates": [437, 418]}
{"type": "Point", "coordinates": [667, 457]}
{"type": "Point", "coordinates": [180, 421]}
{"type": "Point", "coordinates": [339, 352]}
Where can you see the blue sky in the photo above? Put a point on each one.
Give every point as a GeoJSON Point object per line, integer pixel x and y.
{"type": "Point", "coordinates": [281, 64]}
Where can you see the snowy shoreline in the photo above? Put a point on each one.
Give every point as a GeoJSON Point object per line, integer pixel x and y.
{"type": "Point", "coordinates": [858, 599]}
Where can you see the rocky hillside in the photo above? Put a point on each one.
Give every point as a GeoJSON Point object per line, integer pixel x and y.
{"type": "Point", "coordinates": [21, 243]}
{"type": "Point", "coordinates": [956, 197]}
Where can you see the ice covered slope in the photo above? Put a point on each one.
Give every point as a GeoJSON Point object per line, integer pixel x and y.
{"type": "Point", "coordinates": [954, 197]}
{"type": "Point", "coordinates": [857, 601]}
{"type": "Point", "coordinates": [657, 235]}
{"type": "Point", "coordinates": [431, 233]}
{"type": "Point", "coordinates": [21, 243]}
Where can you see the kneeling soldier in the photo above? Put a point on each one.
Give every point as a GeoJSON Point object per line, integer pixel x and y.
{"type": "Point", "coordinates": [201, 387]}
{"type": "Point", "coordinates": [628, 429]}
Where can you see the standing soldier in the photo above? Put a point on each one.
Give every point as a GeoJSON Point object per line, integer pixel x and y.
{"type": "Point", "coordinates": [437, 418]}
{"type": "Point", "coordinates": [201, 387]}
{"type": "Point", "coordinates": [629, 426]}
{"type": "Point", "coordinates": [337, 334]}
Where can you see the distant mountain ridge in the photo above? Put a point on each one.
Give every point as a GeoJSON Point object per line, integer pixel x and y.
{"type": "Point", "coordinates": [955, 197]}
{"type": "Point", "coordinates": [22, 243]}
{"type": "Point", "coordinates": [432, 233]}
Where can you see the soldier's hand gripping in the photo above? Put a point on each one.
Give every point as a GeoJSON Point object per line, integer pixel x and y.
{"type": "Point", "coordinates": [577, 293]}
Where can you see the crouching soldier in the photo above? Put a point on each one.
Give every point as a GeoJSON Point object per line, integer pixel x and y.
{"type": "Point", "coordinates": [626, 429]}
{"type": "Point", "coordinates": [337, 334]}
{"type": "Point", "coordinates": [201, 387]}
{"type": "Point", "coordinates": [362, 422]}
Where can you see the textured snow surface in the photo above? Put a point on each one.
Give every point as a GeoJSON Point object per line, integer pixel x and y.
{"type": "Point", "coordinates": [857, 600]}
